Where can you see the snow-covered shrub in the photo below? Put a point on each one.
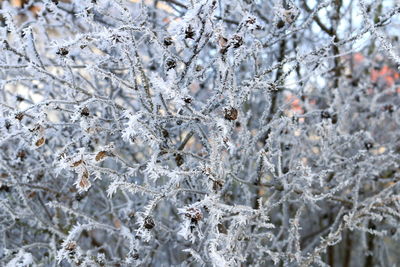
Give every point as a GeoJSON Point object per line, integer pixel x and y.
{"type": "Point", "coordinates": [199, 133]}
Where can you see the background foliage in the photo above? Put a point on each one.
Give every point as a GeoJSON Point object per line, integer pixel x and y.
{"type": "Point", "coordinates": [199, 133]}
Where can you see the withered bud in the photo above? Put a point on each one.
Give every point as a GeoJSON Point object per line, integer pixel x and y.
{"type": "Point", "coordinates": [189, 33]}
{"type": "Point", "coordinates": [62, 51]}
{"type": "Point", "coordinates": [231, 114]}
{"type": "Point", "coordinates": [19, 116]}
{"type": "Point", "coordinates": [149, 223]}
{"type": "Point", "coordinates": [194, 214]}
{"type": "Point", "coordinates": [237, 41]}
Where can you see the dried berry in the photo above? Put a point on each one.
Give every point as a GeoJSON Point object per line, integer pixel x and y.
{"type": "Point", "coordinates": [325, 114]}
{"type": "Point", "coordinates": [389, 108]}
{"type": "Point", "coordinates": [280, 24]}
{"type": "Point", "coordinates": [21, 154]}
{"type": "Point", "coordinates": [62, 51]}
{"type": "Point", "coordinates": [217, 185]}
{"type": "Point", "coordinates": [179, 159]}
{"type": "Point", "coordinates": [149, 223]}
{"type": "Point", "coordinates": [85, 112]}
{"type": "Point", "coordinates": [189, 33]}
{"type": "Point", "coordinates": [168, 41]}
{"type": "Point", "coordinates": [4, 188]}
{"type": "Point", "coordinates": [187, 100]}
{"type": "Point", "coordinates": [7, 124]}
{"type": "Point", "coordinates": [70, 246]}
{"type": "Point", "coordinates": [165, 133]}
{"type": "Point", "coordinates": [334, 118]}
{"type": "Point", "coordinates": [251, 20]}
{"type": "Point", "coordinates": [368, 145]}
{"type": "Point", "coordinates": [231, 114]}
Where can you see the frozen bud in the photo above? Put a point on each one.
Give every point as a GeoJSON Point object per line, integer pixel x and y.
{"type": "Point", "coordinates": [189, 33]}
{"type": "Point", "coordinates": [194, 214]}
{"type": "Point", "coordinates": [237, 41]}
{"type": "Point", "coordinates": [231, 114]}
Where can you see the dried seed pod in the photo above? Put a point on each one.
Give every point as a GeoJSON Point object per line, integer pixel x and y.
{"type": "Point", "coordinates": [222, 229]}
{"type": "Point", "coordinates": [231, 114]}
{"type": "Point", "coordinates": [19, 116]}
{"type": "Point", "coordinates": [217, 185]}
{"type": "Point", "coordinates": [222, 41]}
{"type": "Point", "coordinates": [149, 223]}
{"type": "Point", "coordinates": [31, 194]}
{"type": "Point", "coordinates": [251, 20]}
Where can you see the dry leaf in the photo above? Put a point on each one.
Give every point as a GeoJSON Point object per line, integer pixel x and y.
{"type": "Point", "coordinates": [84, 183]}
{"type": "Point", "coordinates": [40, 142]}
{"type": "Point", "coordinates": [101, 155]}
{"type": "Point", "coordinates": [77, 163]}
{"type": "Point", "coordinates": [70, 246]}
{"type": "Point", "coordinates": [117, 223]}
